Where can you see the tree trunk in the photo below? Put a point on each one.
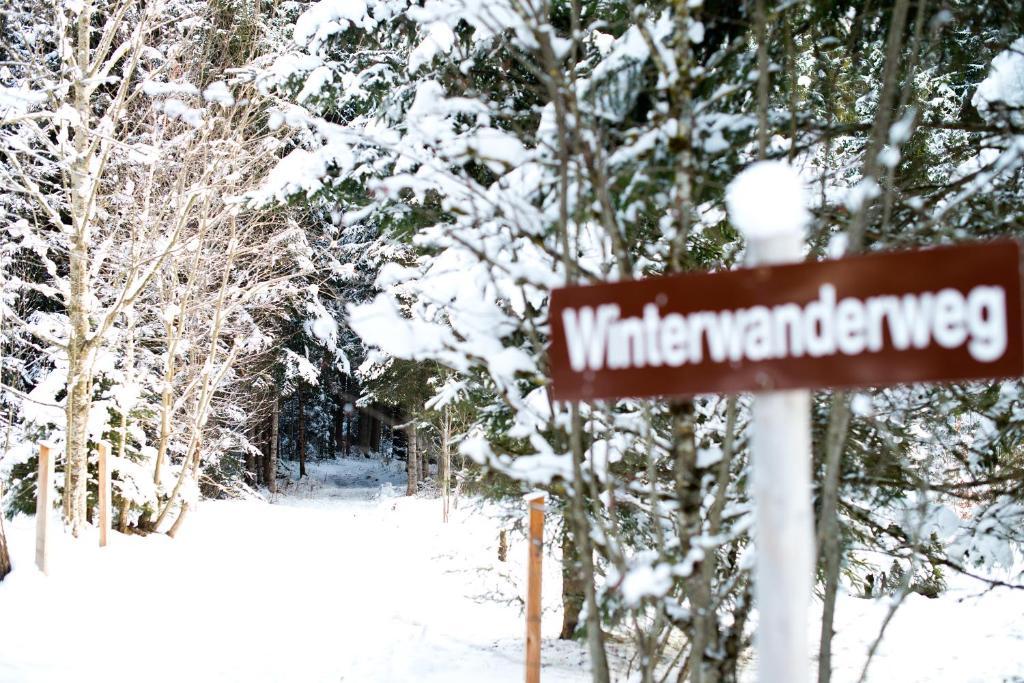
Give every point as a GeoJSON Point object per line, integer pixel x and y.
{"type": "Point", "coordinates": [263, 436]}
{"type": "Point", "coordinates": [688, 478]}
{"type": "Point", "coordinates": [573, 588]}
{"type": "Point", "coordinates": [166, 400]}
{"type": "Point", "coordinates": [339, 430]}
{"type": "Point", "coordinates": [302, 434]}
{"type": "Point", "coordinates": [444, 465]}
{"type": "Point", "coordinates": [345, 416]}
{"type": "Point", "coordinates": [347, 433]}
{"type": "Point", "coordinates": [503, 545]}
{"type": "Point", "coordinates": [79, 395]}
{"type": "Point", "coordinates": [332, 435]}
{"type": "Point", "coordinates": [595, 635]}
{"type": "Point", "coordinates": [270, 470]}
{"type": "Point", "coordinates": [79, 382]}
{"type": "Point", "coordinates": [177, 523]}
{"type": "Point", "coordinates": [828, 527]}
{"type": "Point", "coordinates": [347, 430]}
{"type": "Point", "coordinates": [364, 431]}
{"type": "Point", "coordinates": [293, 451]}
{"type": "Point", "coordinates": [412, 460]}
{"type": "Point", "coordinates": [375, 433]}
{"type": "Point", "coordinates": [250, 460]}
{"type": "Point", "coordinates": [425, 461]}
{"type": "Point", "coordinates": [122, 515]}
{"type": "Point", "coordinates": [75, 457]}
{"type": "Point", "coordinates": [5, 556]}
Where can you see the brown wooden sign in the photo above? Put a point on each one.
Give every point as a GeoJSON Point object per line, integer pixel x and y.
{"type": "Point", "coordinates": [932, 315]}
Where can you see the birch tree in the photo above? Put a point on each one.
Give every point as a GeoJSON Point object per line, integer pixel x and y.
{"type": "Point", "coordinates": [59, 153]}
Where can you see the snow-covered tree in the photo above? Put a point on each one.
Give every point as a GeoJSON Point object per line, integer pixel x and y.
{"type": "Point", "coordinates": [509, 148]}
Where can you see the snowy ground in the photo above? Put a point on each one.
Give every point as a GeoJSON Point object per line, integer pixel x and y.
{"type": "Point", "coordinates": [343, 579]}
{"type": "Point", "coordinates": [960, 637]}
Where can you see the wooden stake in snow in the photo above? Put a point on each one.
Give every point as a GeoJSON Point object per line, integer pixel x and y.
{"type": "Point", "coordinates": [104, 493]}
{"type": "Point", "coordinates": [43, 505]}
{"type": "Point", "coordinates": [535, 501]}
{"type": "Point", "coordinates": [766, 202]}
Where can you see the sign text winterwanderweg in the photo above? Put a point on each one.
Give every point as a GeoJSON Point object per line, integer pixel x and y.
{"type": "Point", "coordinates": [948, 313]}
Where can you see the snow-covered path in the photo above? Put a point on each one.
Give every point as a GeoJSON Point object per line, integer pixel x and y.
{"type": "Point", "coordinates": [345, 580]}
{"type": "Point", "coordinates": [348, 582]}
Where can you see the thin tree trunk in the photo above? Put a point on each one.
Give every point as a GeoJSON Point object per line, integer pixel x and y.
{"type": "Point", "coordinates": [75, 458]}
{"type": "Point", "coordinates": [177, 523]}
{"type": "Point", "coordinates": [346, 417]}
{"type": "Point", "coordinates": [166, 401]}
{"type": "Point", "coordinates": [375, 433]}
{"type": "Point", "coordinates": [828, 527]}
{"type": "Point", "coordinates": [573, 588]}
{"type": "Point", "coordinates": [124, 503]}
{"type": "Point", "coordinates": [293, 451]}
{"type": "Point", "coordinates": [366, 425]}
{"type": "Point", "coordinates": [337, 430]}
{"type": "Point", "coordinates": [412, 460]}
{"type": "Point", "coordinates": [302, 433]}
{"type": "Point", "coordinates": [761, 30]}
{"type": "Point", "coordinates": [689, 526]}
{"type": "Point", "coordinates": [5, 556]}
{"type": "Point", "coordinates": [79, 383]}
{"type": "Point", "coordinates": [270, 471]}
{"type": "Point", "coordinates": [444, 465]}
{"type": "Point", "coordinates": [424, 462]}
{"type": "Point", "coordinates": [193, 453]}
{"type": "Point", "coordinates": [263, 435]}
{"type": "Point", "coordinates": [250, 459]}
{"type": "Point", "coordinates": [122, 515]}
{"type": "Point", "coordinates": [503, 545]}
{"type": "Point", "coordinates": [347, 432]}
{"type": "Point", "coordinates": [595, 635]}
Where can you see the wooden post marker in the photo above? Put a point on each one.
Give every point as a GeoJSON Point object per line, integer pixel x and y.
{"type": "Point", "coordinates": [43, 505]}
{"type": "Point", "coordinates": [535, 501]}
{"type": "Point", "coordinates": [104, 493]}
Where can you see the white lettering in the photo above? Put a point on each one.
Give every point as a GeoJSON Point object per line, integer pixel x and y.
{"type": "Point", "coordinates": [986, 320]}
{"type": "Point", "coordinates": [819, 323]}
{"type": "Point", "coordinates": [673, 339]}
{"type": "Point", "coordinates": [586, 335]}
{"type": "Point", "coordinates": [850, 332]}
{"type": "Point", "coordinates": [911, 323]}
{"type": "Point", "coordinates": [878, 308]}
{"type": "Point", "coordinates": [789, 330]}
{"type": "Point", "coordinates": [651, 320]}
{"type": "Point", "coordinates": [598, 337]}
{"type": "Point", "coordinates": [725, 337]}
{"type": "Point", "coordinates": [626, 344]}
{"type": "Point", "coordinates": [948, 327]}
{"type": "Point", "coordinates": [758, 328]}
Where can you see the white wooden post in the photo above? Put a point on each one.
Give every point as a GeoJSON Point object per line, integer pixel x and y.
{"type": "Point", "coordinates": [781, 454]}
{"type": "Point", "coordinates": [43, 484]}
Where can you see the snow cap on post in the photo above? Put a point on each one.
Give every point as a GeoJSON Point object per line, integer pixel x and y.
{"type": "Point", "coordinates": [768, 200]}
